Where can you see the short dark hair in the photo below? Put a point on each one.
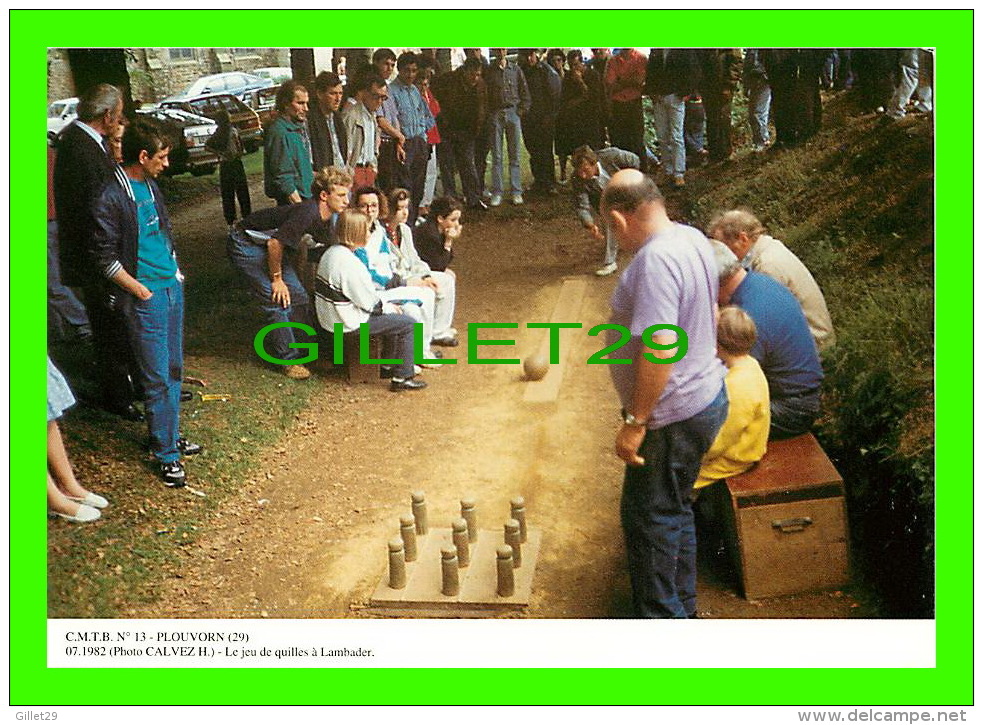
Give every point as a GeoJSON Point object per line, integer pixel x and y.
{"type": "Point", "coordinates": [472, 64]}
{"type": "Point", "coordinates": [325, 80]}
{"type": "Point", "coordinates": [395, 196]}
{"type": "Point", "coordinates": [144, 134]}
{"type": "Point", "coordinates": [405, 59]}
{"type": "Point", "coordinates": [573, 55]}
{"type": "Point", "coordinates": [445, 206]}
{"type": "Point", "coordinates": [367, 80]}
{"type": "Point", "coordinates": [285, 96]}
{"type": "Point", "coordinates": [583, 155]}
{"type": "Point", "coordinates": [363, 190]}
{"type": "Point", "coordinates": [383, 54]}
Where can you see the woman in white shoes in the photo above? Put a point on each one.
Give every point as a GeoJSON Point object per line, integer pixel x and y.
{"type": "Point", "coordinates": [66, 497]}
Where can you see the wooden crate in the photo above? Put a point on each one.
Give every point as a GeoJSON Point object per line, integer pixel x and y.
{"type": "Point", "coordinates": [786, 521]}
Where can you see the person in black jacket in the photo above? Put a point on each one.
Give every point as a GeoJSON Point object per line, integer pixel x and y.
{"type": "Point", "coordinates": [83, 166]}
{"type": "Point", "coordinates": [721, 70]}
{"type": "Point", "coordinates": [462, 97]}
{"type": "Point", "coordinates": [227, 144]}
{"type": "Point", "coordinates": [435, 238]}
{"type": "Point", "coordinates": [538, 125]}
{"type": "Point", "coordinates": [329, 143]}
{"type": "Point", "coordinates": [135, 251]}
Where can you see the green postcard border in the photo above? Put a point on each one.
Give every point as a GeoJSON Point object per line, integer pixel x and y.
{"type": "Point", "coordinates": [949, 683]}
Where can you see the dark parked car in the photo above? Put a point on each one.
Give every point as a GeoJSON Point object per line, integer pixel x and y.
{"type": "Point", "coordinates": [245, 119]}
{"type": "Point", "coordinates": [188, 133]}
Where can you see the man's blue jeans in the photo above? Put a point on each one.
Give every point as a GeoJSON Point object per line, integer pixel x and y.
{"type": "Point", "coordinates": [669, 113]}
{"type": "Point", "coordinates": [657, 513]}
{"type": "Point", "coordinates": [759, 110]}
{"type": "Point", "coordinates": [505, 121]}
{"type": "Point", "coordinates": [251, 259]}
{"type": "Point", "coordinates": [156, 328]}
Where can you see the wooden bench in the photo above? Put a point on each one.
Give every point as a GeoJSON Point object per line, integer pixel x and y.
{"type": "Point", "coordinates": [785, 521]}
{"type": "Point", "coordinates": [356, 371]}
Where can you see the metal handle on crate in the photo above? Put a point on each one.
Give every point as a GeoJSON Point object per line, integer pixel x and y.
{"type": "Point", "coordinates": [787, 526]}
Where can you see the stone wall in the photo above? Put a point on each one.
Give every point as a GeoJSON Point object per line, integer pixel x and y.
{"type": "Point", "coordinates": [156, 73]}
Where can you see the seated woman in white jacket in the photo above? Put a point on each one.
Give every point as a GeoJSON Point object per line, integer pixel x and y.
{"type": "Point", "coordinates": [344, 293]}
{"type": "Point", "coordinates": [377, 257]}
{"type": "Point", "coordinates": [407, 264]}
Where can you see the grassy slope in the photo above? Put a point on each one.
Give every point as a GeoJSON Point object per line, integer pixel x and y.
{"type": "Point", "coordinates": [856, 205]}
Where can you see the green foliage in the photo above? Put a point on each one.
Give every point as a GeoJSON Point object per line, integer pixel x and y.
{"type": "Point", "coordinates": [855, 204]}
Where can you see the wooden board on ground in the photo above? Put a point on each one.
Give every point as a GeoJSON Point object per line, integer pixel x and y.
{"type": "Point", "coordinates": [567, 309]}
{"type": "Point", "coordinates": [478, 581]}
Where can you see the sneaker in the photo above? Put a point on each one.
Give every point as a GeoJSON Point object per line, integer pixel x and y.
{"type": "Point", "coordinates": [399, 384]}
{"type": "Point", "coordinates": [495, 200]}
{"type": "Point", "coordinates": [173, 474]}
{"type": "Point", "coordinates": [760, 148]}
{"type": "Point", "coordinates": [486, 195]}
{"type": "Point", "coordinates": [607, 269]}
{"type": "Point", "coordinates": [187, 448]}
{"type": "Point", "coordinates": [517, 200]}
{"type": "Point", "coordinates": [296, 372]}
{"type": "Point", "coordinates": [679, 180]}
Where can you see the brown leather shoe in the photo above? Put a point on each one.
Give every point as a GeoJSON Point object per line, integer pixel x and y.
{"type": "Point", "coordinates": [296, 372]}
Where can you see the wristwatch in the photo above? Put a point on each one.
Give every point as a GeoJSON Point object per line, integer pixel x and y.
{"type": "Point", "coordinates": [630, 419]}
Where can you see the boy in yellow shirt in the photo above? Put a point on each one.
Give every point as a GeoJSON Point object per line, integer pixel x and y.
{"type": "Point", "coordinates": [743, 438]}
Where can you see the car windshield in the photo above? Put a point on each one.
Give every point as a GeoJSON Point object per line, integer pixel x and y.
{"type": "Point", "coordinates": [59, 107]}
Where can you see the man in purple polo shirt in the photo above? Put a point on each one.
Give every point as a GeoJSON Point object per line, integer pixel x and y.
{"type": "Point", "coordinates": [671, 410]}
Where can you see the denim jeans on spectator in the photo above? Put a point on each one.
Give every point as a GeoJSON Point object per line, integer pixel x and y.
{"type": "Point", "coordinates": [759, 111]}
{"type": "Point", "coordinates": [793, 416]}
{"type": "Point", "coordinates": [505, 121]}
{"type": "Point", "coordinates": [695, 126]}
{"type": "Point", "coordinates": [907, 82]}
{"type": "Point", "coordinates": [669, 113]}
{"type": "Point", "coordinates": [251, 259]}
{"type": "Point", "coordinates": [156, 333]}
{"type": "Point", "coordinates": [64, 308]}
{"type": "Point", "coordinates": [397, 334]}
{"type": "Point", "coordinates": [412, 173]}
{"type": "Point", "coordinates": [657, 513]}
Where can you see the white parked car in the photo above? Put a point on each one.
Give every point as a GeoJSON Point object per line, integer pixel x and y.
{"type": "Point", "coordinates": [277, 75]}
{"type": "Point", "coordinates": [60, 114]}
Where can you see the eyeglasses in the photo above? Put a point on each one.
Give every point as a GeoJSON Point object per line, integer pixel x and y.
{"type": "Point", "coordinates": [369, 206]}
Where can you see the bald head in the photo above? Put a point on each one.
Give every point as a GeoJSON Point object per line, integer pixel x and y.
{"type": "Point", "coordinates": [628, 190]}
{"type": "Point", "coordinates": [633, 208]}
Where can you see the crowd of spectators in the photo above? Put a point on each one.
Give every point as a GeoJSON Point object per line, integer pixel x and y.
{"type": "Point", "coordinates": [357, 226]}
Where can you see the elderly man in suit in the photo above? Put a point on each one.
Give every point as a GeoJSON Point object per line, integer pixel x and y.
{"type": "Point", "coordinates": [83, 167]}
